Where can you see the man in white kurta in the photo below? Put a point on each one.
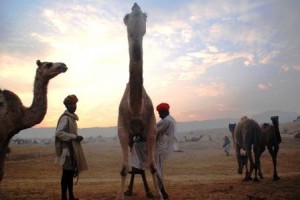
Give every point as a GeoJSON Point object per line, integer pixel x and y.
{"type": "Point", "coordinates": [68, 149]}
{"type": "Point", "coordinates": [166, 138]}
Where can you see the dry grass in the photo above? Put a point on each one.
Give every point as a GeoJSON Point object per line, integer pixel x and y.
{"type": "Point", "coordinates": [201, 171]}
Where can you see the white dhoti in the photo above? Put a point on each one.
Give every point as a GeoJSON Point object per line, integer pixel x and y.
{"type": "Point", "coordinates": [138, 155]}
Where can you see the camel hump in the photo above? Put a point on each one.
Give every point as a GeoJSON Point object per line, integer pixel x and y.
{"type": "Point", "coordinates": [265, 125]}
{"type": "Point", "coordinates": [12, 100]}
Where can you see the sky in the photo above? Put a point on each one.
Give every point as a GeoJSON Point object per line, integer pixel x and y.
{"type": "Point", "coordinates": [208, 59]}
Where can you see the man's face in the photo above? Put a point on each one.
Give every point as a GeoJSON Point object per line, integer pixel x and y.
{"type": "Point", "coordinates": [71, 107]}
{"type": "Point", "coordinates": [163, 114]}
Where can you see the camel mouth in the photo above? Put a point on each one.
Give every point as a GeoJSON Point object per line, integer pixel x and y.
{"type": "Point", "coordinates": [62, 68]}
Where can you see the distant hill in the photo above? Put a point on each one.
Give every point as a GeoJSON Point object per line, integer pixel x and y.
{"type": "Point", "coordinates": [50, 132]}
{"type": "Point", "coordinates": [284, 117]}
{"type": "Point", "coordinates": [205, 124]}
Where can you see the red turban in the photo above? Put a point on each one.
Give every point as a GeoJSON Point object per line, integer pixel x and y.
{"type": "Point", "coordinates": [163, 107]}
{"type": "Point", "coordinates": [71, 99]}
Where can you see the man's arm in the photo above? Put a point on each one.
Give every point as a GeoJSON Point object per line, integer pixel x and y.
{"type": "Point", "coordinates": [162, 126]}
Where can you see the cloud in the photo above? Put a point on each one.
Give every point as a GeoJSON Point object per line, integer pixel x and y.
{"type": "Point", "coordinates": [268, 58]}
{"type": "Point", "coordinates": [286, 68]}
{"type": "Point", "coordinates": [192, 53]}
{"type": "Point", "coordinates": [210, 90]}
{"type": "Point", "coordinates": [264, 86]}
{"type": "Point", "coordinates": [212, 58]}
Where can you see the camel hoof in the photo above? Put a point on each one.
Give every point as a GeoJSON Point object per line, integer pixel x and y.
{"type": "Point", "coordinates": [276, 178]}
{"type": "Point", "coordinates": [247, 178]}
{"type": "Point", "coordinates": [128, 193]}
{"type": "Point", "coordinates": [150, 195]}
{"type": "Point", "coordinates": [255, 180]}
{"type": "Point", "coordinates": [156, 197]}
{"type": "Point", "coordinates": [120, 196]}
{"type": "Point", "coordinates": [261, 176]}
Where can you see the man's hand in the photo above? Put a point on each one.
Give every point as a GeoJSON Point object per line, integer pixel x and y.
{"type": "Point", "coordinates": [79, 138]}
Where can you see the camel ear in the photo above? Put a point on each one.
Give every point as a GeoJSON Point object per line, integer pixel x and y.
{"type": "Point", "coordinates": [125, 19]}
{"type": "Point", "coordinates": [38, 62]}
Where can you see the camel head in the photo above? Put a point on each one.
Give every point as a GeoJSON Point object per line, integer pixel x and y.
{"type": "Point", "coordinates": [136, 23]}
{"type": "Point", "coordinates": [231, 127]}
{"type": "Point", "coordinates": [49, 70]}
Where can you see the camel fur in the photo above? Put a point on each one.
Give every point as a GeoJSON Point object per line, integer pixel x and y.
{"type": "Point", "coordinates": [15, 117]}
{"type": "Point", "coordinates": [136, 112]}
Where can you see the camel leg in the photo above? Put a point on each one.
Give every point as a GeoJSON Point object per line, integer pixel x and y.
{"type": "Point", "coordinates": [3, 152]}
{"type": "Point", "coordinates": [147, 190]}
{"type": "Point", "coordinates": [123, 137]}
{"type": "Point", "coordinates": [238, 156]}
{"type": "Point", "coordinates": [249, 155]}
{"type": "Point", "coordinates": [273, 153]}
{"type": "Point", "coordinates": [151, 139]}
{"type": "Point", "coordinates": [257, 161]}
{"type": "Point", "coordinates": [244, 163]}
{"type": "Point", "coordinates": [130, 187]}
{"type": "Point", "coordinates": [246, 166]}
{"type": "Point", "coordinates": [260, 174]}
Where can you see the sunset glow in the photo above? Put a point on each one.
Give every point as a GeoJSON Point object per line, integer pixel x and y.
{"type": "Point", "coordinates": [201, 57]}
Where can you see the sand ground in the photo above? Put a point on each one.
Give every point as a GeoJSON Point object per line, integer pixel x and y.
{"type": "Point", "coordinates": [200, 171]}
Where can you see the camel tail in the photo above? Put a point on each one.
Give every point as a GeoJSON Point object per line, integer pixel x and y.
{"type": "Point", "coordinates": [275, 123]}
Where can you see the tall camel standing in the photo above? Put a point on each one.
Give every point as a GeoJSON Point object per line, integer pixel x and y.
{"type": "Point", "coordinates": [136, 113]}
{"type": "Point", "coordinates": [15, 117]}
{"type": "Point", "coordinates": [270, 137]}
{"type": "Point", "coordinates": [246, 135]}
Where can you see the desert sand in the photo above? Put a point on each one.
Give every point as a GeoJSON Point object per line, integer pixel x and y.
{"type": "Point", "coordinates": [200, 170]}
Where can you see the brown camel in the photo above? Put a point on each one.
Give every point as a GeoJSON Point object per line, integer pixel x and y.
{"type": "Point", "coordinates": [270, 137]}
{"type": "Point", "coordinates": [136, 113]}
{"type": "Point", "coordinates": [246, 135]}
{"type": "Point", "coordinates": [15, 117]}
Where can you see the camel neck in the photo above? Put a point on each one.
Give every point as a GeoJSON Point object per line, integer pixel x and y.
{"type": "Point", "coordinates": [36, 112]}
{"type": "Point", "coordinates": [136, 75]}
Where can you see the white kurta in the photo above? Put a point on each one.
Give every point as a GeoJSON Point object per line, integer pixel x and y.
{"type": "Point", "coordinates": [62, 135]}
{"type": "Point", "coordinates": [66, 133]}
{"type": "Point", "coordinates": [166, 137]}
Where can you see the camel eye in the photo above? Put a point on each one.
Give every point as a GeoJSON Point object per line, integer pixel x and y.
{"type": "Point", "coordinates": [48, 65]}
{"type": "Point", "coordinates": [1, 104]}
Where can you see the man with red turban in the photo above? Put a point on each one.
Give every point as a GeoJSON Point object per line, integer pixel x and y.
{"type": "Point", "coordinates": [68, 148]}
{"type": "Point", "coordinates": [165, 141]}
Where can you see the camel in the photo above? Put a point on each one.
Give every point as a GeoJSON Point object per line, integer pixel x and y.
{"type": "Point", "coordinates": [193, 139]}
{"type": "Point", "coordinates": [245, 135]}
{"type": "Point", "coordinates": [136, 113]}
{"type": "Point", "coordinates": [270, 137]}
{"type": "Point", "coordinates": [15, 117]}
